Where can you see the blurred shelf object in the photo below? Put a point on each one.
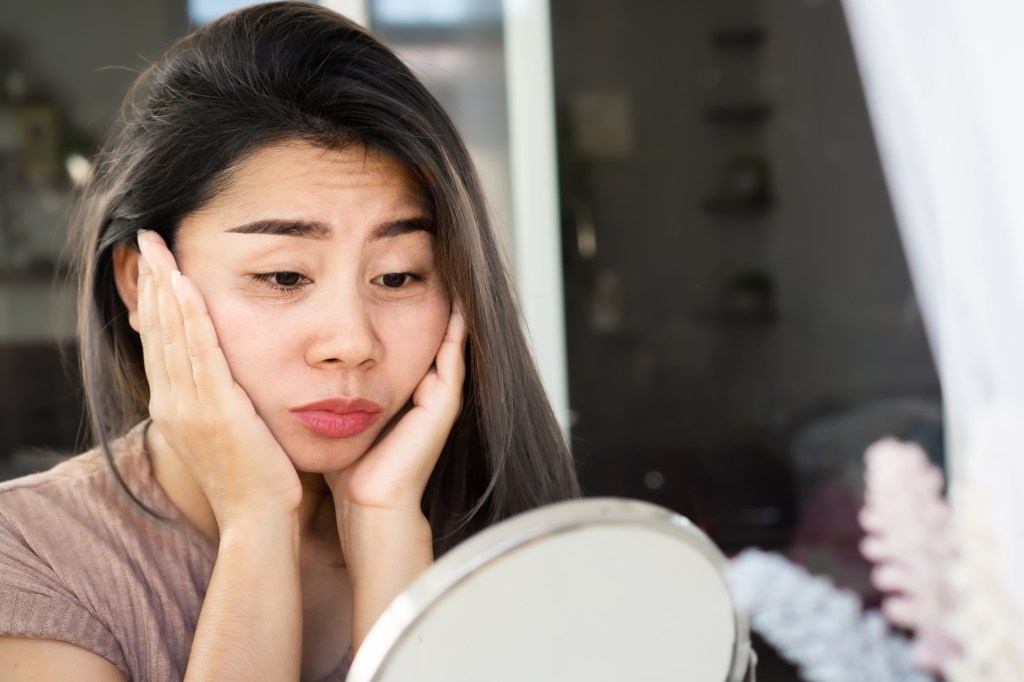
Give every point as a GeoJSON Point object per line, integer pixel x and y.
{"type": "Point", "coordinates": [748, 300]}
{"type": "Point", "coordinates": [739, 38]}
{"type": "Point", "coordinates": [743, 186]}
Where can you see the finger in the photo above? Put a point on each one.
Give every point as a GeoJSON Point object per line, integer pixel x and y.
{"type": "Point", "coordinates": [149, 323]}
{"type": "Point", "coordinates": [176, 357]}
{"type": "Point", "coordinates": [210, 370]}
{"type": "Point", "coordinates": [451, 360]}
{"type": "Point", "coordinates": [172, 332]}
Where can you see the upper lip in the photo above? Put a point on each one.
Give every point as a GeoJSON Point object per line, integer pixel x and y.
{"type": "Point", "coordinates": [340, 405]}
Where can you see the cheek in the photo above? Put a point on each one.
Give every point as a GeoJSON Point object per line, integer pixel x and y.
{"type": "Point", "coordinates": [411, 339]}
{"type": "Point", "coordinates": [249, 343]}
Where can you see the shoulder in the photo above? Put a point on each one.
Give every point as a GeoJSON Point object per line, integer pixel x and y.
{"type": "Point", "coordinates": [83, 564]}
{"type": "Point", "coordinates": [82, 498]}
{"type": "Point", "coordinates": [89, 470]}
{"type": "Point", "coordinates": [46, 520]}
{"type": "Point", "coordinates": [19, 497]}
{"type": "Point", "coordinates": [45, 514]}
{"type": "Point", "coordinates": [55, 507]}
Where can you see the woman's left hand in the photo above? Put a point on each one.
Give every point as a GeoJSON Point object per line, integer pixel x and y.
{"type": "Point", "coordinates": [393, 473]}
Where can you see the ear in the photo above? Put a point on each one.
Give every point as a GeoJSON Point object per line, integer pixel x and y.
{"type": "Point", "coordinates": [126, 277]}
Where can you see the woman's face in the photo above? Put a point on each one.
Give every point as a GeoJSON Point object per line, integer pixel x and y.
{"type": "Point", "coordinates": [318, 270]}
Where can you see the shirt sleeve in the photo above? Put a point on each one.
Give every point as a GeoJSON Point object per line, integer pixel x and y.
{"type": "Point", "coordinates": [35, 602]}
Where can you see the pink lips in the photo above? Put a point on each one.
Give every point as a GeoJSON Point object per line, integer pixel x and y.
{"type": "Point", "coordinates": [338, 417]}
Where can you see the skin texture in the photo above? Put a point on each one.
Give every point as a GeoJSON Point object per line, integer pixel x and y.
{"type": "Point", "coordinates": [315, 534]}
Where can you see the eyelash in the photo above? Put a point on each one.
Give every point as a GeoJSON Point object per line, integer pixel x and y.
{"type": "Point", "coordinates": [269, 279]}
{"type": "Point", "coordinates": [409, 277]}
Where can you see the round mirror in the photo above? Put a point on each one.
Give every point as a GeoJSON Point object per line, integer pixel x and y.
{"type": "Point", "coordinates": [596, 589]}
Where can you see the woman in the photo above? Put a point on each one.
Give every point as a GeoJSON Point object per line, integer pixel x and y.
{"type": "Point", "coordinates": [303, 363]}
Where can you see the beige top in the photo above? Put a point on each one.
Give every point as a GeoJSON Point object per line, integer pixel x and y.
{"type": "Point", "coordinates": [81, 563]}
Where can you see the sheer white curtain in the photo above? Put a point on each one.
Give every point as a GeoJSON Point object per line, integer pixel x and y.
{"type": "Point", "coordinates": [946, 96]}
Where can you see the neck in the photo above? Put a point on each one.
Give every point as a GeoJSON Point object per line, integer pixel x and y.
{"type": "Point", "coordinates": [317, 525]}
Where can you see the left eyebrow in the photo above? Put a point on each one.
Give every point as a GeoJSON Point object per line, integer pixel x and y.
{"type": "Point", "coordinates": [397, 228]}
{"type": "Point", "coordinates": [303, 229]}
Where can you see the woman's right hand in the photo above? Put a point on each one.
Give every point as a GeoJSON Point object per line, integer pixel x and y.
{"type": "Point", "coordinates": [198, 407]}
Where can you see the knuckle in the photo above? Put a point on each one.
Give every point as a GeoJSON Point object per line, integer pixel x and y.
{"type": "Point", "coordinates": [195, 353]}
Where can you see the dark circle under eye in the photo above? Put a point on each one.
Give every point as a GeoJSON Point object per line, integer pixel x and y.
{"type": "Point", "coordinates": [394, 279]}
{"type": "Point", "coordinates": [287, 279]}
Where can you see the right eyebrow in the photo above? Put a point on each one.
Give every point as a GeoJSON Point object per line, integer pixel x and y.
{"type": "Point", "coordinates": [303, 229]}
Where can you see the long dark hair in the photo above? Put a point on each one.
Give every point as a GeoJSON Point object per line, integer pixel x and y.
{"type": "Point", "coordinates": [295, 71]}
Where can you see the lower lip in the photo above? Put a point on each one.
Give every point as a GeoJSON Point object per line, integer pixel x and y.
{"type": "Point", "coordinates": [335, 425]}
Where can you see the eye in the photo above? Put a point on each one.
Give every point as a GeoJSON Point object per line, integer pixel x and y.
{"type": "Point", "coordinates": [396, 280]}
{"type": "Point", "coordinates": [283, 280]}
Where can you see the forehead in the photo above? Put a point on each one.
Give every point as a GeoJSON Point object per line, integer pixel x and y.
{"type": "Point", "coordinates": [297, 176]}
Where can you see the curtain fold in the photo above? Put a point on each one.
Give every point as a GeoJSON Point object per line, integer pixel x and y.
{"type": "Point", "coordinates": [946, 99]}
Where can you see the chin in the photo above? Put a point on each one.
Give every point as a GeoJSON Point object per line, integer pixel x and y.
{"type": "Point", "coordinates": [310, 453]}
{"type": "Point", "coordinates": [321, 458]}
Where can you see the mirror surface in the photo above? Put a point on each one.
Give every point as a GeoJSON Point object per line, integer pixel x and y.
{"type": "Point", "coordinates": [600, 589]}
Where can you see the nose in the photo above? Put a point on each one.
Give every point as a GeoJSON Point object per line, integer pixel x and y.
{"type": "Point", "coordinates": [343, 333]}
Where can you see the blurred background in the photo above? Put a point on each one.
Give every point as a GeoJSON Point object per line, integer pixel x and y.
{"type": "Point", "coordinates": [722, 311]}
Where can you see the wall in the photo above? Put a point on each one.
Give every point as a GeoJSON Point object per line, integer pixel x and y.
{"type": "Point", "coordinates": [78, 60]}
{"type": "Point", "coordinates": [660, 368]}
{"type": "Point", "coordinates": [88, 53]}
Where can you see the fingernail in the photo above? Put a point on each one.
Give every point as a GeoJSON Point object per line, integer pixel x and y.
{"type": "Point", "coordinates": [176, 285]}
